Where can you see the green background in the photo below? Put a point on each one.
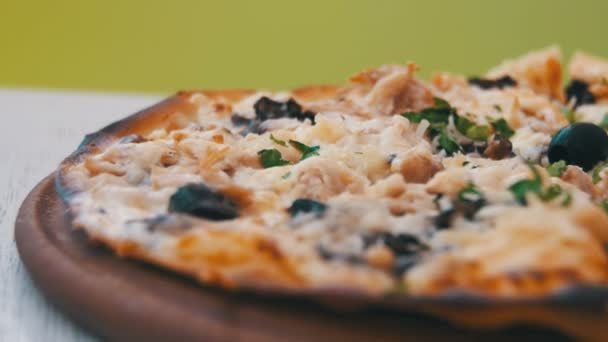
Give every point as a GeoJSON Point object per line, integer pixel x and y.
{"type": "Point", "coordinates": [163, 46]}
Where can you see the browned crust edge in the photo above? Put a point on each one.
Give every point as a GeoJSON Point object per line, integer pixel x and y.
{"type": "Point", "coordinates": [159, 115]}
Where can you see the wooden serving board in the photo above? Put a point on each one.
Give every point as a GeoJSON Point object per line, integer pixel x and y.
{"type": "Point", "coordinates": [127, 300]}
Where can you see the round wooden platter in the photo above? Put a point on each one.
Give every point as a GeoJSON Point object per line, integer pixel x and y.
{"type": "Point", "coordinates": [126, 300]}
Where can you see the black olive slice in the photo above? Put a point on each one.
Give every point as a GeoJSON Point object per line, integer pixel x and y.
{"type": "Point", "coordinates": [197, 199]}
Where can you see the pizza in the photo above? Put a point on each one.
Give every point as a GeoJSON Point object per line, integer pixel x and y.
{"type": "Point", "coordinates": [494, 186]}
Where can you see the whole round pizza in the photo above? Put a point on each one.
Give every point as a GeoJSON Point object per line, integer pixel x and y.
{"type": "Point", "coordinates": [493, 186]}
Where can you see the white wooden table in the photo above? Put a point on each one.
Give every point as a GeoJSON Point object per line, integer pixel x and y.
{"type": "Point", "coordinates": [38, 129]}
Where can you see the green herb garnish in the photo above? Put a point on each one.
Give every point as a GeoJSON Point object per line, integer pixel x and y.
{"type": "Point", "coordinates": [502, 128]}
{"type": "Point", "coordinates": [286, 175]}
{"type": "Point", "coordinates": [604, 122]}
{"type": "Point", "coordinates": [567, 199]}
{"type": "Point", "coordinates": [470, 129]}
{"type": "Point", "coordinates": [271, 158]}
{"type": "Point", "coordinates": [521, 189]}
{"type": "Point", "coordinates": [557, 169]}
{"type": "Point", "coordinates": [597, 169]}
{"type": "Point", "coordinates": [277, 141]}
{"type": "Point", "coordinates": [400, 288]}
{"type": "Point", "coordinates": [604, 206]}
{"type": "Point", "coordinates": [498, 108]}
{"type": "Point", "coordinates": [447, 144]}
{"type": "Point", "coordinates": [569, 114]}
{"type": "Point", "coordinates": [307, 151]}
{"type": "Point", "coordinates": [438, 115]}
{"type": "Point", "coordinates": [478, 132]}
{"type": "Point", "coordinates": [551, 192]}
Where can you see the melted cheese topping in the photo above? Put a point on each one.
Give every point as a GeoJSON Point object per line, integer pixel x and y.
{"type": "Point", "coordinates": [378, 173]}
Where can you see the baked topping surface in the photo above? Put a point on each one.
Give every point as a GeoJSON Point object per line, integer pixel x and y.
{"type": "Point", "coordinates": [494, 185]}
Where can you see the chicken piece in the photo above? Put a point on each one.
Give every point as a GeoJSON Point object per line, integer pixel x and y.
{"type": "Point", "coordinates": [540, 71]}
{"type": "Point", "coordinates": [392, 89]}
{"type": "Point", "coordinates": [592, 70]}
{"type": "Point", "coordinates": [320, 178]}
{"type": "Point", "coordinates": [576, 176]}
{"type": "Point", "coordinates": [417, 165]}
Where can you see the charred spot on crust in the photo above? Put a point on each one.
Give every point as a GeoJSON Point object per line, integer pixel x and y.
{"type": "Point", "coordinates": [198, 200]}
{"type": "Point", "coordinates": [579, 90]}
{"type": "Point", "coordinates": [499, 148]}
{"type": "Point", "coordinates": [306, 205]}
{"type": "Point", "coordinates": [266, 109]}
{"type": "Point", "coordinates": [500, 83]}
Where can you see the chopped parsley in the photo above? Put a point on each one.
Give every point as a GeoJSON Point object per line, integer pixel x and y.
{"type": "Point", "coordinates": [569, 114]}
{"type": "Point", "coordinates": [521, 189]}
{"type": "Point", "coordinates": [271, 158]}
{"type": "Point", "coordinates": [604, 122]}
{"type": "Point", "coordinates": [307, 151]}
{"type": "Point", "coordinates": [502, 127]}
{"type": "Point", "coordinates": [438, 116]}
{"type": "Point", "coordinates": [595, 172]}
{"type": "Point", "coordinates": [277, 141]}
{"type": "Point", "coordinates": [447, 144]}
{"type": "Point", "coordinates": [498, 108]}
{"type": "Point", "coordinates": [551, 192]}
{"type": "Point", "coordinates": [400, 288]}
{"type": "Point", "coordinates": [567, 199]}
{"type": "Point", "coordinates": [604, 206]}
{"type": "Point", "coordinates": [478, 132]}
{"type": "Point", "coordinates": [286, 175]}
{"type": "Point", "coordinates": [470, 129]}
{"type": "Point", "coordinates": [557, 169]}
